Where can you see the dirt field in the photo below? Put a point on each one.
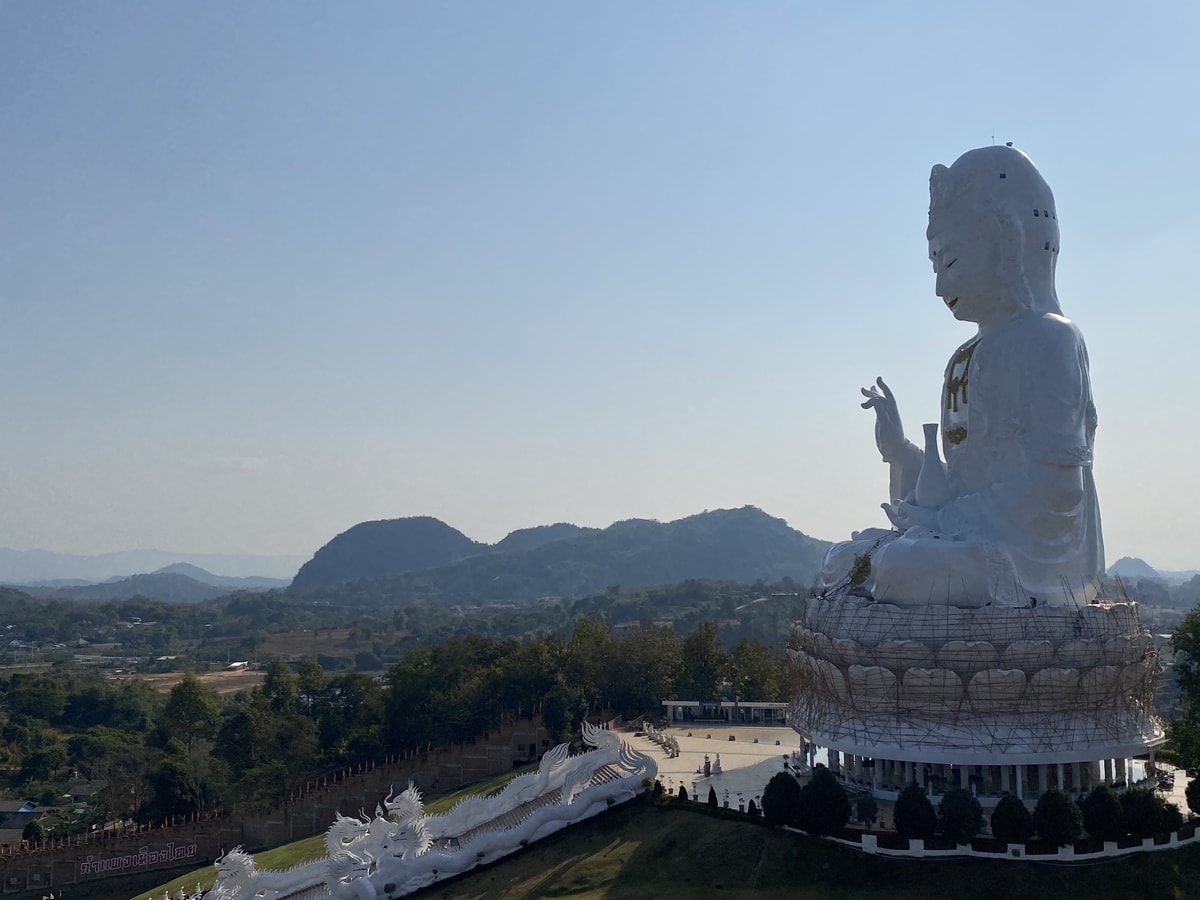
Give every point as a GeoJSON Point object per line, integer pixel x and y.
{"type": "Point", "coordinates": [306, 643]}
{"type": "Point", "coordinates": [221, 682]}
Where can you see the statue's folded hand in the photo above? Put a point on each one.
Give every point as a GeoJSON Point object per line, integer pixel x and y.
{"type": "Point", "coordinates": [905, 515]}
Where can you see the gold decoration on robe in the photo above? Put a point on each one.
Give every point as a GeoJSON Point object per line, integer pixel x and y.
{"type": "Point", "coordinates": [956, 435]}
{"type": "Point", "coordinates": [958, 374]}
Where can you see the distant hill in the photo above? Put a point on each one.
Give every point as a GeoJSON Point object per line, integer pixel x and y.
{"type": "Point", "coordinates": [1130, 567]}
{"type": "Point", "coordinates": [387, 547]}
{"type": "Point", "coordinates": [41, 566]}
{"type": "Point", "coordinates": [159, 586]}
{"type": "Point", "coordinates": [737, 545]}
{"type": "Point", "coordinates": [526, 539]}
{"type": "Point", "coordinates": [251, 583]}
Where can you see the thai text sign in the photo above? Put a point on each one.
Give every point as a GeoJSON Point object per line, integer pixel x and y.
{"type": "Point", "coordinates": [143, 857]}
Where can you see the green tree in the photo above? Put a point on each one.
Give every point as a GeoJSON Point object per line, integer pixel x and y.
{"type": "Point", "coordinates": [1056, 818]}
{"type": "Point", "coordinates": [280, 687]}
{"type": "Point", "coordinates": [824, 807]}
{"type": "Point", "coordinates": [591, 659]}
{"type": "Point", "coordinates": [1192, 793]}
{"type": "Point", "coordinates": [192, 712]}
{"type": "Point", "coordinates": [563, 709]}
{"type": "Point", "coordinates": [42, 753]}
{"type": "Point", "coordinates": [867, 810]}
{"type": "Point", "coordinates": [349, 715]}
{"type": "Point", "coordinates": [960, 817]}
{"type": "Point", "coordinates": [33, 832]}
{"type": "Point", "coordinates": [758, 672]}
{"type": "Point", "coordinates": [37, 696]}
{"type": "Point", "coordinates": [914, 814]}
{"type": "Point", "coordinates": [1012, 822]}
{"type": "Point", "coordinates": [91, 750]}
{"type": "Point", "coordinates": [647, 673]}
{"type": "Point", "coordinates": [1102, 816]}
{"type": "Point", "coordinates": [266, 754]}
{"type": "Point", "coordinates": [126, 778]}
{"type": "Point", "coordinates": [1183, 728]}
{"type": "Point", "coordinates": [176, 790]}
{"type": "Point", "coordinates": [1143, 813]}
{"type": "Point", "coordinates": [712, 797]}
{"type": "Point", "coordinates": [781, 799]}
{"type": "Point", "coordinates": [310, 685]}
{"type": "Point", "coordinates": [703, 664]}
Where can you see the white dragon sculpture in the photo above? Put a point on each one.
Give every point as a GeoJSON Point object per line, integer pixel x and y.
{"type": "Point", "coordinates": [403, 848]}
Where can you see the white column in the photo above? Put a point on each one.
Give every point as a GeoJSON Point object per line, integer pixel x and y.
{"type": "Point", "coordinates": [1076, 777]}
{"type": "Point", "coordinates": [1020, 782]}
{"type": "Point", "coordinates": [1062, 777]}
{"type": "Point", "coordinates": [875, 774]}
{"type": "Point", "coordinates": [1006, 779]}
{"type": "Point", "coordinates": [1043, 778]}
{"type": "Point", "coordinates": [920, 774]}
{"type": "Point", "coordinates": [964, 777]}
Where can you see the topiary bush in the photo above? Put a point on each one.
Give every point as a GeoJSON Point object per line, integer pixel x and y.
{"type": "Point", "coordinates": [780, 799]}
{"type": "Point", "coordinates": [1145, 814]}
{"type": "Point", "coordinates": [1056, 818]}
{"type": "Point", "coordinates": [960, 817]}
{"type": "Point", "coordinates": [1172, 819]}
{"type": "Point", "coordinates": [914, 813]}
{"type": "Point", "coordinates": [1102, 816]}
{"type": "Point", "coordinates": [824, 807]}
{"type": "Point", "coordinates": [1012, 822]}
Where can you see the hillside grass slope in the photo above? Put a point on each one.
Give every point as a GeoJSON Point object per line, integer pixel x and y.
{"type": "Point", "coordinates": [680, 851]}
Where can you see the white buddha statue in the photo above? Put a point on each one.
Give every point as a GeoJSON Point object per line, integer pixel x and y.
{"type": "Point", "coordinates": [1011, 518]}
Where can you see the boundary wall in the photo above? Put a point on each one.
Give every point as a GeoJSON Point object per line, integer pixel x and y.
{"type": "Point", "coordinates": [916, 848]}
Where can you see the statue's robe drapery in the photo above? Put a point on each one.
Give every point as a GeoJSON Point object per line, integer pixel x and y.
{"type": "Point", "coordinates": [1017, 414]}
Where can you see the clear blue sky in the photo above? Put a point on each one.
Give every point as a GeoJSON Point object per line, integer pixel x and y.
{"type": "Point", "coordinates": [271, 269]}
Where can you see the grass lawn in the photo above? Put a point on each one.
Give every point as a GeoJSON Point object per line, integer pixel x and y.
{"type": "Point", "coordinates": [641, 851]}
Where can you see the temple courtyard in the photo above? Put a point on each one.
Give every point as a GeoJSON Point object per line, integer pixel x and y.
{"type": "Point", "coordinates": [749, 757]}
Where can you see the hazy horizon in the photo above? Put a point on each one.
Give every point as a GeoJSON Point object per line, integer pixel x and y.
{"type": "Point", "coordinates": [269, 271]}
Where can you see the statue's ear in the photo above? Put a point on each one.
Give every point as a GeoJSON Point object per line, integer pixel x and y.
{"type": "Point", "coordinates": [938, 186]}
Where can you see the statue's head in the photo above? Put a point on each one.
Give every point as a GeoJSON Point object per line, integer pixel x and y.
{"type": "Point", "coordinates": [993, 235]}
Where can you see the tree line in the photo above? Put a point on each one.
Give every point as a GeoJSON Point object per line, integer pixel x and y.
{"type": "Point", "coordinates": [159, 757]}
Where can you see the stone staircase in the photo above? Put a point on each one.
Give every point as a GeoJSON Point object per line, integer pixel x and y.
{"type": "Point", "coordinates": [309, 893]}
{"type": "Point", "coordinates": [519, 814]}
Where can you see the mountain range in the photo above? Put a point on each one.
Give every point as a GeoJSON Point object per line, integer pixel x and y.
{"type": "Point", "coordinates": [403, 560]}
{"type": "Point", "coordinates": [176, 583]}
{"type": "Point", "coordinates": [43, 567]}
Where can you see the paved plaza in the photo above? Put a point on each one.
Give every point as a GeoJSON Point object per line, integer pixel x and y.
{"type": "Point", "coordinates": [746, 766]}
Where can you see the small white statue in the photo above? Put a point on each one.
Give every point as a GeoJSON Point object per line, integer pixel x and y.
{"type": "Point", "coordinates": [1012, 517]}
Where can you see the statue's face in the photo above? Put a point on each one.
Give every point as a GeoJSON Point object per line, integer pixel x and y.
{"type": "Point", "coordinates": [965, 250]}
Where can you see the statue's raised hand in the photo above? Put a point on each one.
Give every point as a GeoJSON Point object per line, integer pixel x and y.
{"type": "Point", "coordinates": [889, 432]}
